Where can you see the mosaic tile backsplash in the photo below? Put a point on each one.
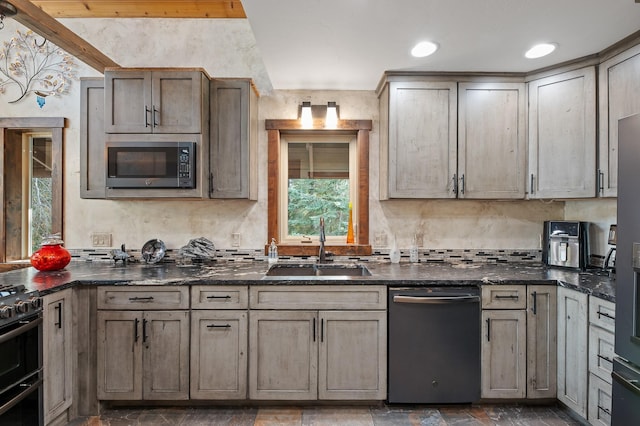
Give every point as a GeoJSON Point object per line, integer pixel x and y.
{"type": "Point", "coordinates": [424, 256]}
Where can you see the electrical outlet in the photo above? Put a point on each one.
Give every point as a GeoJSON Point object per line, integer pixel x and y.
{"type": "Point", "coordinates": [101, 239]}
{"type": "Point", "coordinates": [235, 239]}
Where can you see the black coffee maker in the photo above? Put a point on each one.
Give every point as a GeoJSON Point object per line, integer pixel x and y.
{"type": "Point", "coordinates": [610, 260]}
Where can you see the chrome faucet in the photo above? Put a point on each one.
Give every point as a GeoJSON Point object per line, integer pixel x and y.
{"type": "Point", "coordinates": [322, 256]}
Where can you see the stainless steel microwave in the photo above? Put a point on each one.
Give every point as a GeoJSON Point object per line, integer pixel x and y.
{"type": "Point", "coordinates": [151, 164]}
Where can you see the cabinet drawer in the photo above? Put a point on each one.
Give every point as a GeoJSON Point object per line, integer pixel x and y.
{"type": "Point", "coordinates": [599, 401]}
{"type": "Point", "coordinates": [217, 297]}
{"type": "Point", "coordinates": [601, 352]}
{"type": "Point", "coordinates": [504, 297]}
{"type": "Point", "coordinates": [602, 313]}
{"type": "Point", "coordinates": [143, 297]}
{"type": "Point", "coordinates": [318, 297]}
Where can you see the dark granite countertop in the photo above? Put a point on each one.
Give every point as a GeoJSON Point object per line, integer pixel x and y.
{"type": "Point", "coordinates": [252, 273]}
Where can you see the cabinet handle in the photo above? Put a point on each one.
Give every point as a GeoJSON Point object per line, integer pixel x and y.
{"type": "Point", "coordinates": [604, 314]}
{"type": "Point", "coordinates": [604, 409]}
{"type": "Point", "coordinates": [462, 184]}
{"type": "Point", "coordinates": [144, 331]}
{"type": "Point", "coordinates": [600, 181]}
{"type": "Point", "coordinates": [141, 299]}
{"type": "Point", "coordinates": [322, 330]}
{"type": "Point", "coordinates": [488, 329]}
{"type": "Point", "coordinates": [314, 329]}
{"type": "Point", "coordinates": [219, 297]}
{"type": "Point", "coordinates": [219, 326]}
{"type": "Point", "coordinates": [155, 116]}
{"type": "Point", "coordinates": [510, 296]}
{"type": "Point", "coordinates": [135, 329]}
{"type": "Point", "coordinates": [210, 184]}
{"type": "Point", "coordinates": [605, 358]}
{"type": "Point", "coordinates": [58, 308]}
{"type": "Point", "coordinates": [147, 112]}
{"type": "Point", "coordinates": [535, 302]}
{"type": "Point", "coordinates": [532, 188]}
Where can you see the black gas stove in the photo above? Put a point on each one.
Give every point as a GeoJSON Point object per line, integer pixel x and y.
{"type": "Point", "coordinates": [16, 303]}
{"type": "Point", "coordinates": [20, 356]}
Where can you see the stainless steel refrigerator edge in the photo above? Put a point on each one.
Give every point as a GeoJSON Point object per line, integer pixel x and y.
{"type": "Point", "coordinates": [626, 366]}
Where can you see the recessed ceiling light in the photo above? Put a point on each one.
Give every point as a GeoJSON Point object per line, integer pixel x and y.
{"type": "Point", "coordinates": [540, 50]}
{"type": "Point", "coordinates": [424, 48]}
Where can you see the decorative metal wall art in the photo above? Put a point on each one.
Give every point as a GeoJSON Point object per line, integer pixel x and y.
{"type": "Point", "coordinates": [32, 64]}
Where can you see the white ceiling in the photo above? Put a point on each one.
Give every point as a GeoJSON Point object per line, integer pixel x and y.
{"type": "Point", "coordinates": [349, 44]}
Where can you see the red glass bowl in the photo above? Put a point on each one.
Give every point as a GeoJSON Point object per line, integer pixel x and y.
{"type": "Point", "coordinates": [51, 257]}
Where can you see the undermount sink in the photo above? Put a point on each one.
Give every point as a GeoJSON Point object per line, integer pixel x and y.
{"type": "Point", "coordinates": [317, 270]}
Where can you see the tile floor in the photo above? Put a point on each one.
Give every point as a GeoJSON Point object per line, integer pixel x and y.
{"type": "Point", "coordinates": [330, 416]}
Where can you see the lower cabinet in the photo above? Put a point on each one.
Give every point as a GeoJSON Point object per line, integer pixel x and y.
{"type": "Point", "coordinates": [572, 350]}
{"type": "Point", "coordinates": [219, 328]}
{"type": "Point", "coordinates": [143, 354]}
{"type": "Point", "coordinates": [519, 341]}
{"type": "Point", "coordinates": [57, 337]}
{"type": "Point", "coordinates": [309, 354]}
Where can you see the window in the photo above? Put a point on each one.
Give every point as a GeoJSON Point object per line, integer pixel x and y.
{"type": "Point", "coordinates": [318, 179]}
{"type": "Point", "coordinates": [31, 197]}
{"type": "Point", "coordinates": [356, 133]}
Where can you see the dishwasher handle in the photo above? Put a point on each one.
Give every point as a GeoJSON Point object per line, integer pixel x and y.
{"type": "Point", "coordinates": [435, 300]}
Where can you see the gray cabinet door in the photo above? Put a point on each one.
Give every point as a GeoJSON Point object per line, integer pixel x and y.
{"type": "Point", "coordinates": [165, 340]}
{"type": "Point", "coordinates": [219, 354]}
{"type": "Point", "coordinates": [177, 101]}
{"type": "Point", "coordinates": [233, 149]}
{"type": "Point", "coordinates": [418, 140]}
{"type": "Point", "coordinates": [119, 355]}
{"type": "Point", "coordinates": [283, 362]}
{"type": "Point", "coordinates": [572, 350]}
{"type": "Point", "coordinates": [57, 353]}
{"type": "Point", "coordinates": [92, 139]}
{"type": "Point", "coordinates": [353, 355]}
{"type": "Point", "coordinates": [541, 341]}
{"type": "Point", "coordinates": [562, 135]}
{"type": "Point", "coordinates": [491, 140]}
{"type": "Point", "coordinates": [618, 88]}
{"type": "Point", "coordinates": [504, 341]}
{"type": "Point", "coordinates": [128, 102]}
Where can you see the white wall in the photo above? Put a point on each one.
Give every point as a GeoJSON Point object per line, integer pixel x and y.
{"type": "Point", "coordinates": [443, 223]}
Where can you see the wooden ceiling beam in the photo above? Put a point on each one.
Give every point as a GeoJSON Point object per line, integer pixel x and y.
{"type": "Point", "coordinates": [31, 16]}
{"type": "Point", "coordinates": [142, 8]}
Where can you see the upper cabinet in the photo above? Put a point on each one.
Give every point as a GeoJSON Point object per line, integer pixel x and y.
{"type": "Point", "coordinates": [155, 101]}
{"type": "Point", "coordinates": [418, 139]}
{"type": "Point", "coordinates": [93, 177]}
{"type": "Point", "coordinates": [618, 87]}
{"type": "Point", "coordinates": [562, 135]}
{"type": "Point", "coordinates": [491, 140]}
{"type": "Point", "coordinates": [233, 159]}
{"type": "Point", "coordinates": [443, 139]}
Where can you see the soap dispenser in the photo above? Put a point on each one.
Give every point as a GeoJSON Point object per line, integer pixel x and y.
{"type": "Point", "coordinates": [394, 254]}
{"type": "Point", "coordinates": [273, 251]}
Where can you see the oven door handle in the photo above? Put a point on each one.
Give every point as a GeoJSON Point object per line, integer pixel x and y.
{"type": "Point", "coordinates": [631, 385]}
{"type": "Point", "coordinates": [428, 300]}
{"type": "Point", "coordinates": [22, 395]}
{"type": "Point", "coordinates": [18, 331]}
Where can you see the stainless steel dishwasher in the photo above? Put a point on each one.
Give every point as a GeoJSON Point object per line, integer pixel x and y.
{"type": "Point", "coordinates": [434, 345]}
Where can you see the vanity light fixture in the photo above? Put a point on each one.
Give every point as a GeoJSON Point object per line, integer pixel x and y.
{"type": "Point", "coordinates": [540, 50]}
{"type": "Point", "coordinates": [331, 121]}
{"type": "Point", "coordinates": [424, 48]}
{"type": "Point", "coordinates": [306, 117]}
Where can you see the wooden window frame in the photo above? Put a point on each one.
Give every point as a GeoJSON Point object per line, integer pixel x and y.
{"type": "Point", "coordinates": [55, 125]}
{"type": "Point", "coordinates": [361, 129]}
